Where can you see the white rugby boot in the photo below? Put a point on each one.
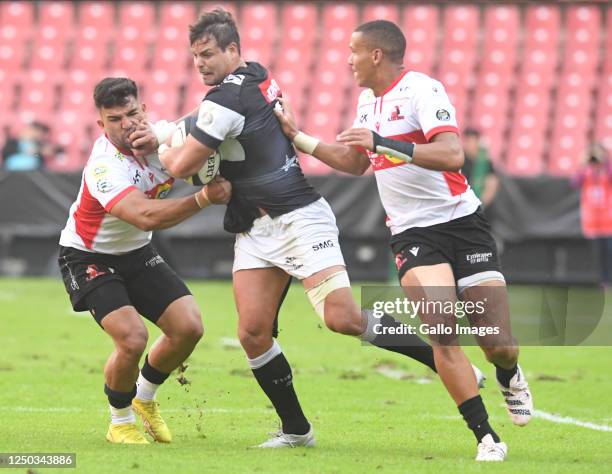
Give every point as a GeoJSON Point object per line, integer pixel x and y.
{"type": "Point", "coordinates": [489, 450]}
{"type": "Point", "coordinates": [480, 377]}
{"type": "Point", "coordinates": [519, 403]}
{"type": "Point", "coordinates": [285, 440]}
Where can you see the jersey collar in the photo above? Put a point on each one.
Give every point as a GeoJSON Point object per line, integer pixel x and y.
{"type": "Point", "coordinates": [394, 83]}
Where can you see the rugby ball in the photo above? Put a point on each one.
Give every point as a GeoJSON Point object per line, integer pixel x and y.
{"type": "Point", "coordinates": [212, 163]}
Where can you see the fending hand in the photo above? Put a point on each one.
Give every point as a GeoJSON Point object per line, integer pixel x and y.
{"type": "Point", "coordinates": [360, 137]}
{"type": "Point", "coordinates": [218, 191]}
{"type": "Point", "coordinates": [285, 116]}
{"type": "Point", "coordinates": [143, 140]}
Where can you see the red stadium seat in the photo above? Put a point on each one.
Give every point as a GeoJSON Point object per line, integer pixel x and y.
{"type": "Point", "coordinates": [17, 18]}
{"type": "Point", "coordinates": [135, 32]}
{"type": "Point", "coordinates": [174, 21]}
{"type": "Point", "coordinates": [571, 115]}
{"type": "Point", "coordinates": [525, 154]}
{"type": "Point", "coordinates": [296, 54]}
{"type": "Point", "coordinates": [496, 73]}
{"type": "Point", "coordinates": [328, 94]}
{"type": "Point", "coordinates": [98, 14]}
{"type": "Point", "coordinates": [381, 12]}
{"type": "Point", "coordinates": [56, 21]}
{"type": "Point", "coordinates": [458, 59]}
{"type": "Point", "coordinates": [420, 25]}
{"type": "Point", "coordinates": [258, 31]}
{"type": "Point", "coordinates": [38, 95]}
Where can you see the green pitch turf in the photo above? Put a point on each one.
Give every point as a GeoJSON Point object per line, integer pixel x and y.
{"type": "Point", "coordinates": [51, 398]}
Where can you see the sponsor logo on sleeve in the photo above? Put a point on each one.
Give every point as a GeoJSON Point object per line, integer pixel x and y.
{"type": "Point", "coordinates": [443, 115]}
{"type": "Point", "coordinates": [103, 185]}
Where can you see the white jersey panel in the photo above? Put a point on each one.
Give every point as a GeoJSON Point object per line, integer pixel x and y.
{"type": "Point", "coordinates": [108, 177]}
{"type": "Point", "coordinates": [414, 108]}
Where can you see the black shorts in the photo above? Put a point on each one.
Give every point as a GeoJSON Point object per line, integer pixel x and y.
{"type": "Point", "coordinates": [102, 283]}
{"type": "Point", "coordinates": [465, 243]}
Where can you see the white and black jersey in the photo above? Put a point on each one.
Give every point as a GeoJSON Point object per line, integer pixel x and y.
{"type": "Point", "coordinates": [237, 119]}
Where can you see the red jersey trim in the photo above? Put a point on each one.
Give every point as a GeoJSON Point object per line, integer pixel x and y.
{"type": "Point", "coordinates": [88, 217]}
{"type": "Point", "coordinates": [444, 128]}
{"type": "Point", "coordinates": [457, 184]}
{"type": "Point", "coordinates": [121, 150]}
{"type": "Point", "coordinates": [394, 83]}
{"type": "Point", "coordinates": [110, 204]}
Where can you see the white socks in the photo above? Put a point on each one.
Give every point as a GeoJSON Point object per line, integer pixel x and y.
{"type": "Point", "coordinates": [122, 415]}
{"type": "Point", "coordinates": [145, 390]}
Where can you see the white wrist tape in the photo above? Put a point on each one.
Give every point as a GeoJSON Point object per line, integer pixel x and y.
{"type": "Point", "coordinates": [163, 130]}
{"type": "Point", "coordinates": [306, 143]}
{"type": "Point", "coordinates": [163, 147]}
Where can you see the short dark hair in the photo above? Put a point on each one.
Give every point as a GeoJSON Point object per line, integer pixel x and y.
{"type": "Point", "coordinates": [114, 91]}
{"type": "Point", "coordinates": [471, 132]}
{"type": "Point", "coordinates": [385, 35]}
{"type": "Point", "coordinates": [218, 24]}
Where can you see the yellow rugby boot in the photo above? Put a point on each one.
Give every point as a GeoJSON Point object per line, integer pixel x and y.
{"type": "Point", "coordinates": [153, 423]}
{"type": "Point", "coordinates": [126, 433]}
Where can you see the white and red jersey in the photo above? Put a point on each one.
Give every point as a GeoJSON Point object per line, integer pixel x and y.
{"type": "Point", "coordinates": [108, 177]}
{"type": "Point", "coordinates": [414, 109]}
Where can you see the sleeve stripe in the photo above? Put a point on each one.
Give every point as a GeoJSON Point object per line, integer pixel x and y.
{"type": "Point", "coordinates": [444, 128]}
{"type": "Point", "coordinates": [205, 139]}
{"type": "Point", "coordinates": [110, 204]}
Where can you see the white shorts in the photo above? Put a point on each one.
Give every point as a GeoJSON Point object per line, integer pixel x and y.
{"type": "Point", "coordinates": [301, 242]}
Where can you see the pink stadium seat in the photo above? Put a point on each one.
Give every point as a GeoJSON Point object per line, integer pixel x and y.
{"type": "Point", "coordinates": [496, 73]}
{"type": "Point", "coordinates": [296, 53]}
{"type": "Point", "coordinates": [532, 97]}
{"type": "Point", "coordinates": [258, 31]}
{"type": "Point", "coordinates": [90, 56]}
{"type": "Point", "coordinates": [174, 21]}
{"type": "Point", "coordinates": [572, 112]}
{"type": "Point", "coordinates": [56, 21]}
{"type": "Point", "coordinates": [459, 45]}
{"type": "Point", "coordinates": [77, 91]}
{"type": "Point", "coordinates": [526, 145]}
{"type": "Point", "coordinates": [12, 50]}
{"type": "Point", "coordinates": [420, 26]}
{"type": "Point", "coordinates": [38, 95]}
{"type": "Point", "coordinates": [49, 55]}
{"type": "Point", "coordinates": [328, 92]}
{"type": "Point", "coordinates": [380, 12]}
{"type": "Point", "coordinates": [134, 35]}
{"type": "Point", "coordinates": [18, 18]}
{"type": "Point", "coordinates": [97, 14]}
{"type": "Point", "coordinates": [603, 113]}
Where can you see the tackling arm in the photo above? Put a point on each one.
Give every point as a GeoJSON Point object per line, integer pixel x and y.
{"type": "Point", "coordinates": [151, 214]}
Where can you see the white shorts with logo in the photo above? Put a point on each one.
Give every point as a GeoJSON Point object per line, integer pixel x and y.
{"type": "Point", "coordinates": [301, 242]}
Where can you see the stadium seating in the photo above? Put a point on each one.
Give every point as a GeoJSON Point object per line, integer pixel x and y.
{"type": "Point", "coordinates": [536, 79]}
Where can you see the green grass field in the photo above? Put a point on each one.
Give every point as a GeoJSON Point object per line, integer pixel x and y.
{"type": "Point", "coordinates": [51, 398]}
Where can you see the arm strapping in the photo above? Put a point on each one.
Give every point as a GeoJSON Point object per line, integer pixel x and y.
{"type": "Point", "coordinates": [395, 148]}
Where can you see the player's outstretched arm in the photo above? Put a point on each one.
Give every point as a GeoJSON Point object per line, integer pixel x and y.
{"type": "Point", "coordinates": [443, 153]}
{"type": "Point", "coordinates": [151, 214]}
{"type": "Point", "coordinates": [338, 156]}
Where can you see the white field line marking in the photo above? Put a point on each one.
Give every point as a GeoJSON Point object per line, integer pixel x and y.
{"type": "Point", "coordinates": [570, 421]}
{"type": "Point", "coordinates": [164, 410]}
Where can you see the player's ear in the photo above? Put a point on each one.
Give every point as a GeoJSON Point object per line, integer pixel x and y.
{"type": "Point", "coordinates": [377, 56]}
{"type": "Point", "coordinates": [143, 106]}
{"type": "Point", "coordinates": [100, 124]}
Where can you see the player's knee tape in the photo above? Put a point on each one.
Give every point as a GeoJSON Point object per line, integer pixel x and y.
{"type": "Point", "coordinates": [266, 357]}
{"type": "Point", "coordinates": [478, 278]}
{"type": "Point", "coordinates": [320, 291]}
